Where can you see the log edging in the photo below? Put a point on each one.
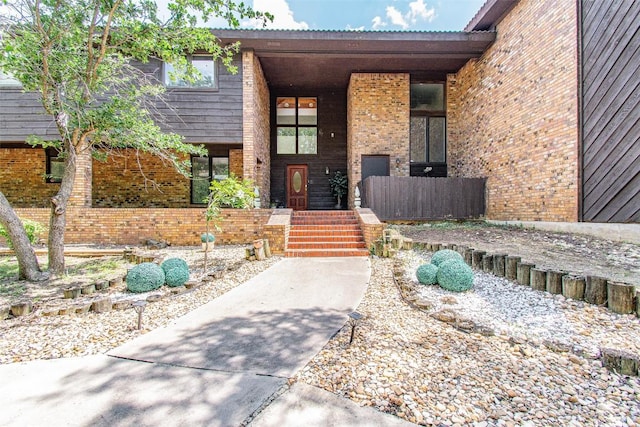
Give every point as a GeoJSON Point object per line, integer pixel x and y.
{"type": "Point", "coordinates": [618, 297]}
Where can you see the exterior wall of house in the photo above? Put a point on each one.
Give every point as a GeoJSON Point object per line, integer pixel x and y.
{"type": "Point", "coordinates": [118, 182]}
{"type": "Point", "coordinates": [378, 122]}
{"type": "Point", "coordinates": [235, 162]}
{"type": "Point", "coordinates": [331, 150]}
{"type": "Point", "coordinates": [22, 177]}
{"type": "Point", "coordinates": [513, 115]}
{"type": "Point", "coordinates": [611, 111]}
{"type": "Point", "coordinates": [255, 125]}
{"type": "Point", "coordinates": [179, 227]}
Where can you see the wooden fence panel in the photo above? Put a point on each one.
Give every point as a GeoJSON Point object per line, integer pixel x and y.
{"type": "Point", "coordinates": [420, 198]}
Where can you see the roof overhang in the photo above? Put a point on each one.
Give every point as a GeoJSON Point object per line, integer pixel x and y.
{"type": "Point", "coordinates": [491, 12]}
{"type": "Point", "coordinates": [325, 59]}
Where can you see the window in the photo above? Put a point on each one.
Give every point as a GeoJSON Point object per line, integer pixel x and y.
{"type": "Point", "coordinates": [297, 120]}
{"type": "Point", "coordinates": [428, 123]}
{"type": "Point", "coordinates": [55, 166]}
{"type": "Point", "coordinates": [7, 81]}
{"type": "Point", "coordinates": [205, 65]}
{"type": "Point", "coordinates": [203, 171]}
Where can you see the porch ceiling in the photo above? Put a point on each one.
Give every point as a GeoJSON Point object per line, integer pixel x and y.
{"type": "Point", "coordinates": [299, 60]}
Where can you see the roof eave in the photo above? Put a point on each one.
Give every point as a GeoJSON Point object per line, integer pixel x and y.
{"type": "Point", "coordinates": [490, 14]}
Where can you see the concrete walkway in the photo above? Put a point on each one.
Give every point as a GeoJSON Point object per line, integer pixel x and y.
{"type": "Point", "coordinates": [219, 365]}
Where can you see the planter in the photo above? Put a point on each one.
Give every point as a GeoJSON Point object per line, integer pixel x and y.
{"type": "Point", "coordinates": [208, 246]}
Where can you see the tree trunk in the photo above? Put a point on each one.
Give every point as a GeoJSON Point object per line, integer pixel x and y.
{"type": "Point", "coordinates": [58, 219]}
{"type": "Point", "coordinates": [28, 267]}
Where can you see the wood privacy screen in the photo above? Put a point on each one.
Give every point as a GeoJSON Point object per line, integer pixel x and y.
{"type": "Point", "coordinates": [419, 198]}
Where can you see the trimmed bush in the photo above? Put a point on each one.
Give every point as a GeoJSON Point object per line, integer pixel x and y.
{"type": "Point", "coordinates": [176, 272]}
{"type": "Point", "coordinates": [455, 275]}
{"type": "Point", "coordinates": [170, 263]}
{"type": "Point", "coordinates": [427, 274]}
{"type": "Point", "coordinates": [207, 238]}
{"type": "Point", "coordinates": [176, 277]}
{"type": "Point", "coordinates": [145, 277]}
{"type": "Point", "coordinates": [445, 255]}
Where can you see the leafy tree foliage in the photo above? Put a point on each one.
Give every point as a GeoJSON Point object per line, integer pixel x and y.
{"type": "Point", "coordinates": [80, 55]}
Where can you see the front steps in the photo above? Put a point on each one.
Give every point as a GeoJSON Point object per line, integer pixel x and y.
{"type": "Point", "coordinates": [325, 234]}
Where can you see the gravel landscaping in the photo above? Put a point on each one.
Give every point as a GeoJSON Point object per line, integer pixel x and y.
{"type": "Point", "coordinates": [537, 365]}
{"type": "Point", "coordinates": [35, 337]}
{"type": "Point", "coordinates": [405, 362]}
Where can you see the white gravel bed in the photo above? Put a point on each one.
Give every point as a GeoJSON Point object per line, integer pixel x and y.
{"type": "Point", "coordinates": [37, 337]}
{"type": "Point", "coordinates": [404, 362]}
{"type": "Point", "coordinates": [522, 313]}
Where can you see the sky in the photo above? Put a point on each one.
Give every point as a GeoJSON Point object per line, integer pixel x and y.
{"type": "Point", "coordinates": [370, 15]}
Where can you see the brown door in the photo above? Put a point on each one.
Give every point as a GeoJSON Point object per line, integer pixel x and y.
{"type": "Point", "coordinates": [297, 187]}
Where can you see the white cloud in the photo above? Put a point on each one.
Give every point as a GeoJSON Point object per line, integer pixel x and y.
{"type": "Point", "coordinates": [417, 12]}
{"type": "Point", "coordinates": [396, 17]}
{"type": "Point", "coordinates": [282, 15]}
{"type": "Point", "coordinates": [377, 22]}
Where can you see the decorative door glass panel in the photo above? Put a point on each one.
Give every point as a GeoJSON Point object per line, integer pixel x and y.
{"type": "Point", "coordinates": [297, 181]}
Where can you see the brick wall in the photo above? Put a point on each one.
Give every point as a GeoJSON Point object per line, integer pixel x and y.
{"type": "Point", "coordinates": [255, 128]}
{"type": "Point", "coordinates": [512, 115]}
{"type": "Point", "coordinates": [81, 193]}
{"type": "Point", "coordinates": [22, 177]}
{"type": "Point", "coordinates": [235, 162]}
{"type": "Point", "coordinates": [180, 227]}
{"type": "Point", "coordinates": [378, 120]}
{"type": "Point", "coordinates": [118, 182]}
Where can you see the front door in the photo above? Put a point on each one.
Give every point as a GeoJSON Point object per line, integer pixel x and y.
{"type": "Point", "coordinates": [297, 187]}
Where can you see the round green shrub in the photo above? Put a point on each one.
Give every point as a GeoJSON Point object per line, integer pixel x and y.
{"type": "Point", "coordinates": [455, 275]}
{"type": "Point", "coordinates": [171, 263]}
{"type": "Point", "coordinates": [176, 277]}
{"type": "Point", "coordinates": [445, 255]}
{"type": "Point", "coordinates": [427, 273]}
{"type": "Point", "coordinates": [145, 277]}
{"type": "Point", "coordinates": [207, 237]}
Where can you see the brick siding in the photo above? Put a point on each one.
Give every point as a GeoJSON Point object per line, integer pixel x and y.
{"type": "Point", "coordinates": [512, 115]}
{"type": "Point", "coordinates": [378, 120]}
{"type": "Point", "coordinates": [235, 162]}
{"type": "Point", "coordinates": [119, 183]}
{"type": "Point", "coordinates": [180, 227]}
{"type": "Point", "coordinates": [22, 177]}
{"type": "Point", "coordinates": [256, 125]}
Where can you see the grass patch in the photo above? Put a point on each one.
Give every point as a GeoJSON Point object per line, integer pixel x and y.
{"type": "Point", "coordinates": [8, 268]}
{"type": "Point", "coordinates": [97, 268]}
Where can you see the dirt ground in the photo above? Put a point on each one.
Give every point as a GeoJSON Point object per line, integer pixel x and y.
{"type": "Point", "coordinates": [575, 253]}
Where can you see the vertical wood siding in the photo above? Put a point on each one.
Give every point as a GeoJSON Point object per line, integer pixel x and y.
{"type": "Point", "coordinates": [418, 198]}
{"type": "Point", "coordinates": [611, 110]}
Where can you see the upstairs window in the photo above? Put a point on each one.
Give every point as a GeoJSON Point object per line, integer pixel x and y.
{"type": "Point", "coordinates": [297, 120]}
{"type": "Point", "coordinates": [428, 123]}
{"type": "Point", "coordinates": [203, 171]}
{"type": "Point", "coordinates": [206, 66]}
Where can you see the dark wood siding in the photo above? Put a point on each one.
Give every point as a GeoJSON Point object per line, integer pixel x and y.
{"type": "Point", "coordinates": [21, 115]}
{"type": "Point", "coordinates": [418, 198]}
{"type": "Point", "coordinates": [332, 151]}
{"type": "Point", "coordinates": [207, 116]}
{"type": "Point", "coordinates": [611, 110]}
